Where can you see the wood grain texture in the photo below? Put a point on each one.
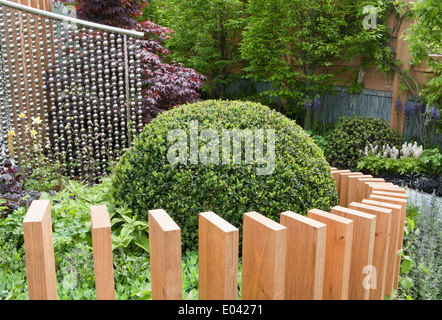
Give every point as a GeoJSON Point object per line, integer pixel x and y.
{"type": "Point", "coordinates": [352, 187]}
{"type": "Point", "coordinates": [394, 236]}
{"type": "Point", "coordinates": [165, 256]}
{"type": "Point", "coordinates": [337, 254]}
{"type": "Point", "coordinates": [264, 256]}
{"type": "Point", "coordinates": [369, 187]}
{"type": "Point", "coordinates": [381, 243]}
{"type": "Point", "coordinates": [102, 251]}
{"type": "Point", "coordinates": [364, 227]}
{"type": "Point", "coordinates": [403, 203]}
{"type": "Point", "coordinates": [344, 186]}
{"type": "Point", "coordinates": [218, 258]}
{"type": "Point", "coordinates": [336, 174]}
{"type": "Point", "coordinates": [39, 251]}
{"type": "Point", "coordinates": [305, 257]}
{"type": "Point", "coordinates": [361, 186]}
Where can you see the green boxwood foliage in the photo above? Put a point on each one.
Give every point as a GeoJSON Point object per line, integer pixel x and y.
{"type": "Point", "coordinates": [350, 136]}
{"type": "Point", "coordinates": [144, 179]}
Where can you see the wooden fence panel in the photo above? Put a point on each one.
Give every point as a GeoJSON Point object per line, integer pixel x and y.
{"type": "Point", "coordinates": [368, 187]}
{"type": "Point", "coordinates": [264, 250]}
{"type": "Point", "coordinates": [344, 186]}
{"type": "Point", "coordinates": [218, 258]}
{"type": "Point", "coordinates": [165, 255]}
{"type": "Point", "coordinates": [392, 248]}
{"type": "Point", "coordinates": [382, 241]}
{"type": "Point", "coordinates": [361, 187]}
{"type": "Point", "coordinates": [337, 253]}
{"type": "Point", "coordinates": [397, 194]}
{"type": "Point", "coordinates": [403, 203]}
{"type": "Point", "coordinates": [102, 248]}
{"type": "Point", "coordinates": [304, 271]}
{"type": "Point", "coordinates": [352, 187]}
{"type": "Point", "coordinates": [39, 251]}
{"type": "Point", "coordinates": [364, 227]}
{"type": "Point", "coordinates": [336, 174]}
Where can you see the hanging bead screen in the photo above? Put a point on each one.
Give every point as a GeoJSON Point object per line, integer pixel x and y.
{"type": "Point", "coordinates": [82, 83]}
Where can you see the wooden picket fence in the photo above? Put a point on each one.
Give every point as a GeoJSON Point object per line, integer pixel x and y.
{"type": "Point", "coordinates": [348, 253]}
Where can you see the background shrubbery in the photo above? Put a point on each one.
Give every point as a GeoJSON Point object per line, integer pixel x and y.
{"type": "Point", "coordinates": [145, 180]}
{"type": "Point", "coordinates": [351, 135]}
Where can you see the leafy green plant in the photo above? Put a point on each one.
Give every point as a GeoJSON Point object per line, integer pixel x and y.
{"type": "Point", "coordinates": [128, 229]}
{"type": "Point", "coordinates": [144, 179]}
{"type": "Point", "coordinates": [298, 46]}
{"type": "Point", "coordinates": [351, 135]}
{"type": "Point", "coordinates": [320, 141]}
{"type": "Point", "coordinates": [373, 164]}
{"type": "Point", "coordinates": [13, 284]}
{"type": "Point", "coordinates": [431, 162]}
{"type": "Point", "coordinates": [421, 263]}
{"type": "Point", "coordinates": [205, 37]}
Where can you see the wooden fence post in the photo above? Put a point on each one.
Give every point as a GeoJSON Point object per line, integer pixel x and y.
{"type": "Point", "coordinates": [392, 248]}
{"type": "Point", "coordinates": [218, 258]}
{"type": "Point", "coordinates": [337, 253]}
{"type": "Point", "coordinates": [352, 188]}
{"type": "Point", "coordinates": [369, 187]}
{"type": "Point", "coordinates": [361, 186]}
{"type": "Point", "coordinates": [403, 203]}
{"type": "Point", "coordinates": [165, 256]}
{"type": "Point", "coordinates": [304, 271]}
{"type": "Point", "coordinates": [381, 243]}
{"type": "Point", "coordinates": [364, 227]}
{"type": "Point", "coordinates": [264, 250]}
{"type": "Point", "coordinates": [39, 251]}
{"type": "Point", "coordinates": [102, 249]}
{"type": "Point", "coordinates": [344, 186]}
{"type": "Point", "coordinates": [394, 194]}
{"type": "Point", "coordinates": [336, 174]}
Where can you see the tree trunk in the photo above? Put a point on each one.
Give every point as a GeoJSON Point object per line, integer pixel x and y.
{"type": "Point", "coordinates": [223, 57]}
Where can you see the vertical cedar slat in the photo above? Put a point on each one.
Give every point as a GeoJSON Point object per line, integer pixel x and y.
{"type": "Point", "coordinates": [39, 251]}
{"type": "Point", "coordinates": [264, 250]}
{"type": "Point", "coordinates": [395, 194]}
{"type": "Point", "coordinates": [361, 186]}
{"type": "Point", "coordinates": [392, 249]}
{"type": "Point", "coordinates": [369, 185]}
{"type": "Point", "coordinates": [102, 249]}
{"type": "Point", "coordinates": [403, 203]}
{"type": "Point", "coordinates": [352, 188]}
{"type": "Point", "coordinates": [165, 256]}
{"type": "Point", "coordinates": [337, 254]}
{"type": "Point", "coordinates": [381, 244]}
{"type": "Point", "coordinates": [364, 227]}
{"type": "Point", "coordinates": [344, 186]}
{"type": "Point", "coordinates": [218, 258]}
{"type": "Point", "coordinates": [336, 174]}
{"type": "Point", "coordinates": [304, 272]}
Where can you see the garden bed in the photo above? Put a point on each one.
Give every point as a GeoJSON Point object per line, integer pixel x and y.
{"type": "Point", "coordinates": [15, 200]}
{"type": "Point", "coordinates": [418, 182]}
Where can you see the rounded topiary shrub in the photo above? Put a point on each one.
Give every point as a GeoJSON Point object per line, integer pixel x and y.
{"type": "Point", "coordinates": [181, 163]}
{"type": "Point", "coordinates": [350, 136]}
